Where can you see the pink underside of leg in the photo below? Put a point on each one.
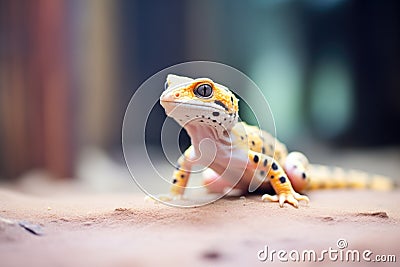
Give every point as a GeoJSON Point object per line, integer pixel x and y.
{"type": "Point", "coordinates": [296, 169]}
{"type": "Point", "coordinates": [214, 183]}
{"type": "Point", "coordinates": [295, 175]}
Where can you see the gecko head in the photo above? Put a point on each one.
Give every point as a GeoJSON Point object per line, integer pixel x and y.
{"type": "Point", "coordinates": [199, 101]}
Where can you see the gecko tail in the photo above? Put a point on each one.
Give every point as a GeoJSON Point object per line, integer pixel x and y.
{"type": "Point", "coordinates": [324, 177]}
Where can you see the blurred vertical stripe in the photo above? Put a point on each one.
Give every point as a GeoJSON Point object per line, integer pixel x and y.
{"type": "Point", "coordinates": [35, 95]}
{"type": "Point", "coordinates": [48, 108]}
{"type": "Point", "coordinates": [99, 94]}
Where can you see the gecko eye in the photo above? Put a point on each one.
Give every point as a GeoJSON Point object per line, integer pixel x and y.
{"type": "Point", "coordinates": [203, 90]}
{"type": "Point", "coordinates": [166, 85]}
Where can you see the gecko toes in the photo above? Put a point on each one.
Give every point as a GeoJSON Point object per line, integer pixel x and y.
{"type": "Point", "coordinates": [292, 198]}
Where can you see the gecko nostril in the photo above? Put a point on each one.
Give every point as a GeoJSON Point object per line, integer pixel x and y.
{"type": "Point", "coordinates": [177, 94]}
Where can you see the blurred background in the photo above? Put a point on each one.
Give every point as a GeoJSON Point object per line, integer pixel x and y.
{"type": "Point", "coordinates": [329, 68]}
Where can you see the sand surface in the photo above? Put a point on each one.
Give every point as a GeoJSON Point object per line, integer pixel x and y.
{"type": "Point", "coordinates": [123, 230]}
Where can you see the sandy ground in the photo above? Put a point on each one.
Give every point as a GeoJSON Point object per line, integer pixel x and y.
{"type": "Point", "coordinates": [123, 230]}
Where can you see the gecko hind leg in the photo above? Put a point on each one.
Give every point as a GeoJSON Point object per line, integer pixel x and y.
{"type": "Point", "coordinates": [268, 167]}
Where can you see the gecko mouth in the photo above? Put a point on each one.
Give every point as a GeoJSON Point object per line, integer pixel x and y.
{"type": "Point", "coordinates": [207, 114]}
{"type": "Point", "coordinates": [179, 103]}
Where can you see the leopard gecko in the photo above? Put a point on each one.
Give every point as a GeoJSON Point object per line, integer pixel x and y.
{"type": "Point", "coordinates": [244, 157]}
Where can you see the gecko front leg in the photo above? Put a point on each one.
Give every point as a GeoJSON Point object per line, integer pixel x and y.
{"type": "Point", "coordinates": [268, 167]}
{"type": "Point", "coordinates": [180, 178]}
{"type": "Point", "coordinates": [181, 174]}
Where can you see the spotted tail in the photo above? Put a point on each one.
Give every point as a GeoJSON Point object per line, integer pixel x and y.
{"type": "Point", "coordinates": [323, 177]}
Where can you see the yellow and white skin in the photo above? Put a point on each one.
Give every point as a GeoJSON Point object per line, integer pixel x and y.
{"type": "Point", "coordinates": [238, 156]}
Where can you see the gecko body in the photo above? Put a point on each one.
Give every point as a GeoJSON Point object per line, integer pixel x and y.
{"type": "Point", "coordinates": [238, 156]}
